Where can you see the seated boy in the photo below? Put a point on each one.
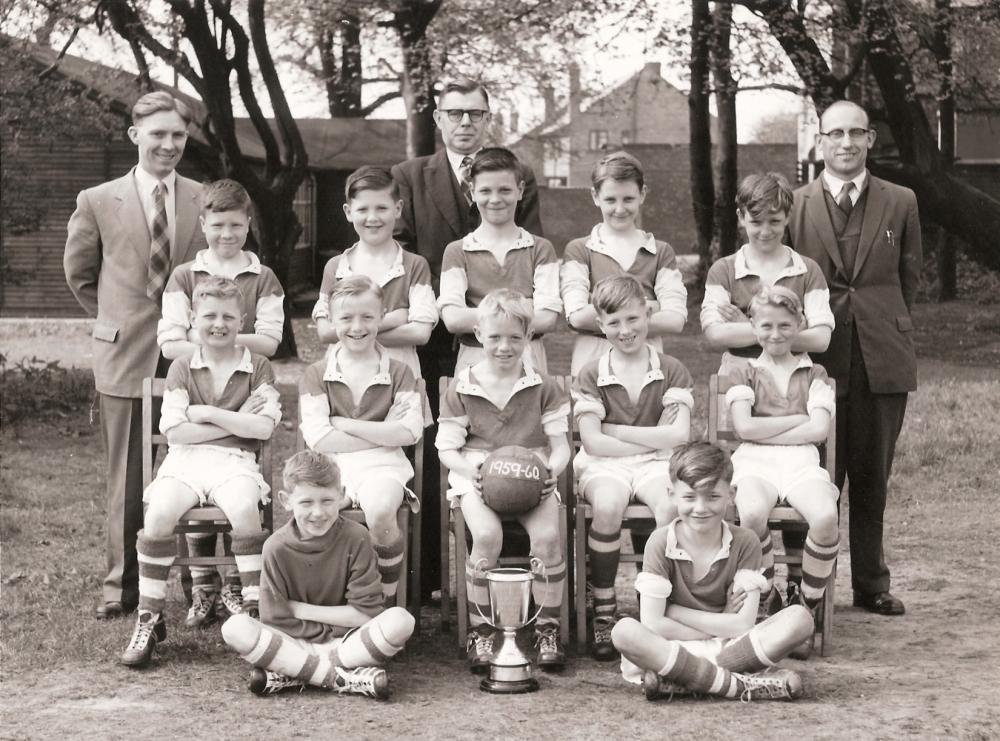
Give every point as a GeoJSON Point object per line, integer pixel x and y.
{"type": "Point", "coordinates": [632, 405]}
{"type": "Point", "coordinates": [216, 405]}
{"type": "Point", "coordinates": [225, 219]}
{"type": "Point", "coordinates": [321, 616]}
{"type": "Point", "coordinates": [501, 400]}
{"type": "Point", "coordinates": [699, 588]}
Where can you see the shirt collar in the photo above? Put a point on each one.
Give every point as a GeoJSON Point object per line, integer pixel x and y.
{"type": "Point", "coordinates": [200, 263]}
{"type": "Point", "coordinates": [344, 269]}
{"type": "Point", "coordinates": [762, 361]}
{"type": "Point", "coordinates": [676, 553]}
{"type": "Point", "coordinates": [146, 182]}
{"type": "Point", "coordinates": [606, 378]}
{"type": "Point", "coordinates": [596, 244]}
{"type": "Point", "coordinates": [198, 362]}
{"type": "Point", "coordinates": [835, 184]}
{"type": "Point", "coordinates": [455, 161]}
{"type": "Point", "coordinates": [468, 385]}
{"type": "Point", "coordinates": [795, 265]}
{"type": "Point", "coordinates": [333, 374]}
{"type": "Point", "coordinates": [471, 243]}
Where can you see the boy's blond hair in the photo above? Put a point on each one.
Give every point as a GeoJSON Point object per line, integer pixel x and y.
{"type": "Point", "coordinates": [215, 286]}
{"type": "Point", "coordinates": [619, 166]}
{"type": "Point", "coordinates": [504, 303]}
{"type": "Point", "coordinates": [761, 193]}
{"type": "Point", "coordinates": [225, 195]}
{"type": "Point", "coordinates": [310, 467]}
{"type": "Point", "coordinates": [777, 296]}
{"type": "Point", "coordinates": [700, 465]}
{"type": "Point", "coordinates": [355, 285]}
{"type": "Point", "coordinates": [612, 293]}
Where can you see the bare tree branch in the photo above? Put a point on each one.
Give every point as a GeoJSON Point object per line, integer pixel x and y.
{"type": "Point", "coordinates": [62, 53]}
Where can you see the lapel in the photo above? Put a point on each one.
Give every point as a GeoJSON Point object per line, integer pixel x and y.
{"type": "Point", "coordinates": [440, 183]}
{"type": "Point", "coordinates": [819, 218]}
{"type": "Point", "coordinates": [186, 220]}
{"type": "Point", "coordinates": [131, 215]}
{"type": "Point", "coordinates": [875, 209]}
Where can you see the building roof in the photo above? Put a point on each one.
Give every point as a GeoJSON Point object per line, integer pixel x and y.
{"type": "Point", "coordinates": [331, 143]}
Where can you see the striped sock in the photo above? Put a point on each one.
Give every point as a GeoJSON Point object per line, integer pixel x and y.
{"type": "Point", "coordinates": [375, 642]}
{"type": "Point", "coordinates": [744, 654]}
{"type": "Point", "coordinates": [156, 556]}
{"type": "Point", "coordinates": [274, 652]}
{"type": "Point", "coordinates": [230, 574]}
{"type": "Point", "coordinates": [817, 565]}
{"type": "Point", "coordinates": [203, 578]}
{"type": "Point", "coordinates": [390, 566]}
{"type": "Point", "coordinates": [477, 594]}
{"type": "Point", "coordinates": [767, 562]}
{"type": "Point", "coordinates": [698, 674]}
{"type": "Point", "coordinates": [548, 593]}
{"type": "Point", "coordinates": [246, 549]}
{"type": "Point", "coordinates": [604, 550]}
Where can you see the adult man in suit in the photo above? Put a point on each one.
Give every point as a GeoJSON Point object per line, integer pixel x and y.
{"type": "Point", "coordinates": [865, 234]}
{"type": "Point", "coordinates": [125, 237]}
{"type": "Point", "coordinates": [437, 210]}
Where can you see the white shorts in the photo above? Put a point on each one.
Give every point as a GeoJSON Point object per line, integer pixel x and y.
{"type": "Point", "coordinates": [706, 648]}
{"type": "Point", "coordinates": [470, 355]}
{"type": "Point", "coordinates": [586, 347]}
{"type": "Point", "coordinates": [459, 485]}
{"type": "Point", "coordinates": [632, 471]}
{"type": "Point", "coordinates": [205, 468]}
{"type": "Point", "coordinates": [359, 468]}
{"type": "Point", "coordinates": [784, 466]}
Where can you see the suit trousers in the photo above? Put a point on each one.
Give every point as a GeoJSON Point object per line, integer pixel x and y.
{"type": "Point", "coordinates": [868, 425]}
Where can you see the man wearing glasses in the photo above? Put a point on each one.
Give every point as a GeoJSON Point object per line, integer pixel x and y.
{"type": "Point", "coordinates": [437, 210]}
{"type": "Point", "coordinates": [865, 234]}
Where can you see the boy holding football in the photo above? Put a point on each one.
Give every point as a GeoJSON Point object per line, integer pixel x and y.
{"type": "Point", "coordinates": [501, 400]}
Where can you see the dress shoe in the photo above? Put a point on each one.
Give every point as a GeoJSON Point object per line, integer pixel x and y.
{"type": "Point", "coordinates": [881, 603]}
{"type": "Point", "coordinates": [113, 610]}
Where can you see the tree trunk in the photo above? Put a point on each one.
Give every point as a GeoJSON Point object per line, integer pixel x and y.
{"type": "Point", "coordinates": [941, 46]}
{"type": "Point", "coordinates": [411, 20]}
{"type": "Point", "coordinates": [727, 151]}
{"type": "Point", "coordinates": [699, 124]}
{"type": "Point", "coordinates": [279, 229]}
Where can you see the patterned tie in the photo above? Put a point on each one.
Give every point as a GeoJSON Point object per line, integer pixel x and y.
{"type": "Point", "coordinates": [464, 183]}
{"type": "Point", "coordinates": [844, 199]}
{"type": "Point", "coordinates": [159, 248]}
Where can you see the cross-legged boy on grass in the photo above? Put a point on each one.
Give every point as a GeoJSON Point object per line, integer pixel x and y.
{"type": "Point", "coordinates": [217, 404]}
{"type": "Point", "coordinates": [699, 588]}
{"type": "Point", "coordinates": [322, 621]}
{"type": "Point", "coordinates": [633, 405]}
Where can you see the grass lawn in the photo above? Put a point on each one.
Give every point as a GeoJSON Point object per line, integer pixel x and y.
{"type": "Point", "coordinates": [930, 674]}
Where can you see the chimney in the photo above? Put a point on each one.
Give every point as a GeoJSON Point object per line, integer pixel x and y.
{"type": "Point", "coordinates": [549, 99]}
{"type": "Point", "coordinates": [651, 71]}
{"type": "Point", "coordinates": [514, 121]}
{"type": "Point", "coordinates": [574, 91]}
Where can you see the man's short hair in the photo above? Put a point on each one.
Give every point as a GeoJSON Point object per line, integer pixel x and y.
{"type": "Point", "coordinates": [496, 159]}
{"type": "Point", "coordinates": [504, 303]}
{"type": "Point", "coordinates": [464, 85]}
{"type": "Point", "coordinates": [355, 285]}
{"type": "Point", "coordinates": [621, 167]}
{"type": "Point", "coordinates": [780, 296]}
{"type": "Point", "coordinates": [310, 467]}
{"type": "Point", "coordinates": [160, 100]}
{"type": "Point", "coordinates": [215, 286]}
{"type": "Point", "coordinates": [370, 177]}
{"type": "Point", "coordinates": [851, 103]}
{"type": "Point", "coordinates": [225, 195]}
{"type": "Point", "coordinates": [761, 193]}
{"type": "Point", "coordinates": [611, 294]}
{"type": "Point", "coordinates": [700, 465]}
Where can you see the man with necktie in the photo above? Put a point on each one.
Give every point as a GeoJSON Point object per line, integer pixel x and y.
{"type": "Point", "coordinates": [124, 238]}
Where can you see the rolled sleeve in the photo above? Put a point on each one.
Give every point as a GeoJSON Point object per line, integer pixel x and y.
{"type": "Point", "coordinates": [454, 285]}
{"type": "Point", "coordinates": [175, 320]}
{"type": "Point", "coordinates": [740, 393]}
{"type": "Point", "coordinates": [174, 409]}
{"type": "Point", "coordinates": [413, 420]}
{"type": "Point", "coordinates": [452, 433]}
{"type": "Point", "coordinates": [716, 296]}
{"type": "Point", "coordinates": [272, 402]}
{"type": "Point", "coordinates": [584, 403]}
{"type": "Point", "coordinates": [546, 287]}
{"type": "Point", "coordinates": [575, 284]}
{"type": "Point", "coordinates": [270, 319]}
{"type": "Point", "coordinates": [321, 309]}
{"type": "Point", "coordinates": [670, 292]}
{"type": "Point", "coordinates": [816, 305]}
{"type": "Point", "coordinates": [685, 397]}
{"type": "Point", "coordinates": [653, 585]}
{"type": "Point", "coordinates": [821, 396]}
{"type": "Point", "coordinates": [749, 581]}
{"type": "Point", "coordinates": [314, 413]}
{"type": "Point", "coordinates": [423, 307]}
{"type": "Point", "coordinates": [556, 421]}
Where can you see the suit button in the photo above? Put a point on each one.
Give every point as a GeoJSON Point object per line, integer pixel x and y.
{"type": "Point", "coordinates": [851, 289]}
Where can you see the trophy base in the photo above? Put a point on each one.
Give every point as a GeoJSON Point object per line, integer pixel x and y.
{"type": "Point", "coordinates": [509, 687]}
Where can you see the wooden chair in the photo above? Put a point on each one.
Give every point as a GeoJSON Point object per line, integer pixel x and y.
{"type": "Point", "coordinates": [408, 522]}
{"type": "Point", "coordinates": [783, 518]}
{"type": "Point", "coordinates": [452, 522]}
{"type": "Point", "coordinates": [208, 519]}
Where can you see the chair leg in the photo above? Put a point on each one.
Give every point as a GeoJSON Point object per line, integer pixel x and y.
{"type": "Point", "coordinates": [564, 610]}
{"type": "Point", "coordinates": [827, 628]}
{"type": "Point", "coordinates": [580, 576]}
{"type": "Point", "coordinates": [186, 580]}
{"type": "Point", "coordinates": [403, 523]}
{"type": "Point", "coordinates": [461, 598]}
{"type": "Point", "coordinates": [445, 551]}
{"type": "Point", "coordinates": [415, 577]}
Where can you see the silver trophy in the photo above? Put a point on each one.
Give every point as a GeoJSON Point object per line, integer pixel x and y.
{"type": "Point", "coordinates": [510, 595]}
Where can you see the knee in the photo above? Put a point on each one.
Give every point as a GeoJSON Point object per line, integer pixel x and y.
{"type": "Point", "coordinates": [397, 625]}
{"type": "Point", "coordinates": [487, 542]}
{"type": "Point", "coordinates": [800, 622]}
{"type": "Point", "coordinates": [664, 512]}
{"type": "Point", "coordinates": [159, 521]}
{"type": "Point", "coordinates": [381, 521]}
{"type": "Point", "coordinates": [754, 518]}
{"type": "Point", "coordinates": [244, 517]}
{"type": "Point", "coordinates": [626, 634]}
{"type": "Point", "coordinates": [607, 513]}
{"type": "Point", "coordinates": [546, 546]}
{"type": "Point", "coordinates": [240, 632]}
{"type": "Point", "coordinates": [825, 528]}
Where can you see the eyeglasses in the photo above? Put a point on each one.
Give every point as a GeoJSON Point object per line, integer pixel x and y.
{"type": "Point", "coordinates": [838, 134]}
{"type": "Point", "coordinates": [455, 115]}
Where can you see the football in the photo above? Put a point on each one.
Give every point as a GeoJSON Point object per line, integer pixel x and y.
{"type": "Point", "coordinates": [513, 478]}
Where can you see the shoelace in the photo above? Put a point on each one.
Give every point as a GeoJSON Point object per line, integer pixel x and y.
{"type": "Point", "coordinates": [602, 632]}
{"type": "Point", "coordinates": [200, 604]}
{"type": "Point", "coordinates": [483, 644]}
{"type": "Point", "coordinates": [142, 633]}
{"type": "Point", "coordinates": [547, 642]}
{"type": "Point", "coordinates": [756, 687]}
{"type": "Point", "coordinates": [277, 682]}
{"type": "Point", "coordinates": [361, 681]}
{"type": "Point", "coordinates": [232, 599]}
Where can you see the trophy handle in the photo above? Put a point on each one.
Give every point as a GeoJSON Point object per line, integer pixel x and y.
{"type": "Point", "coordinates": [537, 565]}
{"type": "Point", "coordinates": [479, 569]}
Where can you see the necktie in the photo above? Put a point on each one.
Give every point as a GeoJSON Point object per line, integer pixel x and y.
{"type": "Point", "coordinates": [844, 199]}
{"type": "Point", "coordinates": [159, 248]}
{"type": "Point", "coordinates": [464, 183]}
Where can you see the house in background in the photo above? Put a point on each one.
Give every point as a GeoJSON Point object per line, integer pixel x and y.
{"type": "Point", "coordinates": [53, 173]}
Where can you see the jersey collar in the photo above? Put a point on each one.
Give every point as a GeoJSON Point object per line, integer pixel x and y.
{"type": "Point", "coordinates": [468, 385]}
{"type": "Point", "coordinates": [762, 361]}
{"type": "Point", "coordinates": [200, 264]}
{"type": "Point", "coordinates": [676, 553]}
{"type": "Point", "coordinates": [198, 362]}
{"type": "Point", "coordinates": [795, 265]}
{"type": "Point", "coordinates": [471, 243]}
{"type": "Point", "coordinates": [333, 374]}
{"type": "Point", "coordinates": [606, 378]}
{"type": "Point", "coordinates": [344, 269]}
{"type": "Point", "coordinates": [596, 244]}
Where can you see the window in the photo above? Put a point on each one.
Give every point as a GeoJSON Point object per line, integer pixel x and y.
{"type": "Point", "coordinates": [598, 139]}
{"type": "Point", "coordinates": [555, 162]}
{"type": "Point", "coordinates": [626, 136]}
{"type": "Point", "coordinates": [305, 209]}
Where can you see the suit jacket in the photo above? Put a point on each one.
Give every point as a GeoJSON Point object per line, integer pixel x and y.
{"type": "Point", "coordinates": [434, 211]}
{"type": "Point", "coordinates": [877, 298]}
{"type": "Point", "coordinates": [107, 262]}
